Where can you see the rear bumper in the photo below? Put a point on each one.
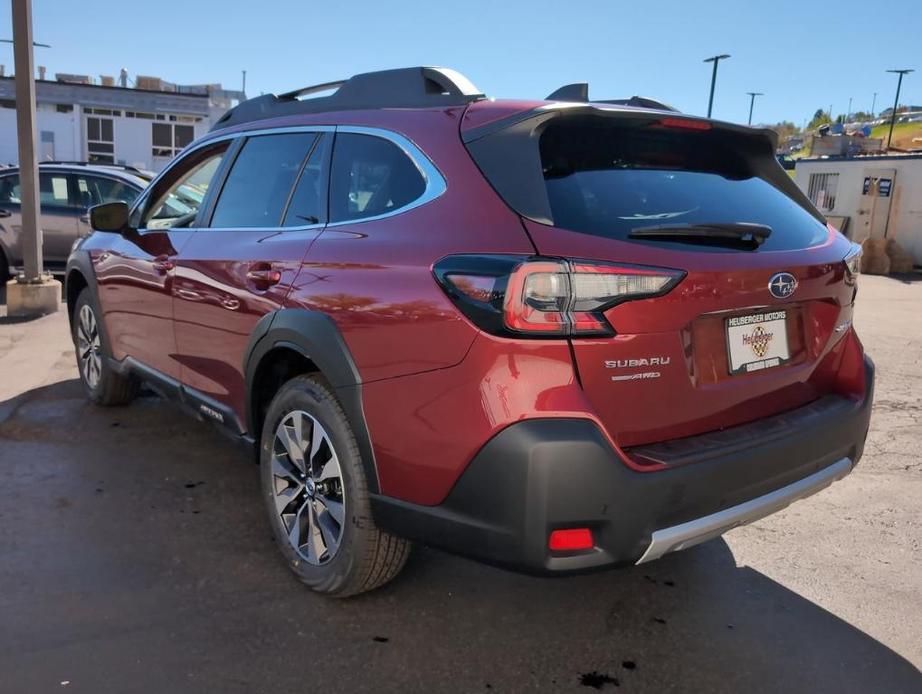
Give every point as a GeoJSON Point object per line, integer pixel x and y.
{"type": "Point", "coordinates": [540, 475]}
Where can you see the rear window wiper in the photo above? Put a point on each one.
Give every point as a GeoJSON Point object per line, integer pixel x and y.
{"type": "Point", "coordinates": [743, 234]}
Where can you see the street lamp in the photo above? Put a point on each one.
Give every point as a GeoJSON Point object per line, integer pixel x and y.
{"type": "Point", "coordinates": [896, 101]}
{"type": "Point", "coordinates": [752, 102]}
{"type": "Point", "coordinates": [714, 59]}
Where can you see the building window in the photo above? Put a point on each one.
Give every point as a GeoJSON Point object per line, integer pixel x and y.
{"type": "Point", "coordinates": [169, 138]}
{"type": "Point", "coordinates": [102, 111]}
{"type": "Point", "coordinates": [46, 146]}
{"type": "Point", "coordinates": [64, 108]}
{"type": "Point", "coordinates": [822, 190]}
{"type": "Point", "coordinates": [100, 141]}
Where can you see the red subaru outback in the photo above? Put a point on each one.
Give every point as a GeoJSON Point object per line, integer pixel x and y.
{"type": "Point", "coordinates": [554, 335]}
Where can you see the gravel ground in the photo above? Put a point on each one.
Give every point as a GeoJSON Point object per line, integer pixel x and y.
{"type": "Point", "coordinates": [134, 558]}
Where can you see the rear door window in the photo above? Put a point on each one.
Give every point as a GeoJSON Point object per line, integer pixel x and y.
{"type": "Point", "coordinates": [607, 180]}
{"type": "Point", "coordinates": [371, 176]}
{"type": "Point", "coordinates": [308, 200]}
{"type": "Point", "coordinates": [260, 181]}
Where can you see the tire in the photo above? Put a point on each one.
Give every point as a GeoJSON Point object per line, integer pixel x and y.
{"type": "Point", "coordinates": [5, 275]}
{"type": "Point", "coordinates": [316, 494]}
{"type": "Point", "coordinates": [103, 385]}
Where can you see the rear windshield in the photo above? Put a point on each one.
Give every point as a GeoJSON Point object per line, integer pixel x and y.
{"type": "Point", "coordinates": [608, 180]}
{"type": "Point", "coordinates": [607, 176]}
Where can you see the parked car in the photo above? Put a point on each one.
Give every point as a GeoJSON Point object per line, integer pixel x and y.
{"type": "Point", "coordinates": [67, 190]}
{"type": "Point", "coordinates": [787, 162]}
{"type": "Point", "coordinates": [553, 335]}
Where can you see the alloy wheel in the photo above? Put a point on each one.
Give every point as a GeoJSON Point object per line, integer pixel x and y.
{"type": "Point", "coordinates": [308, 487]}
{"type": "Point", "coordinates": [88, 346]}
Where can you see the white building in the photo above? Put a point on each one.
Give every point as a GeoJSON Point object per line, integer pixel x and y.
{"type": "Point", "coordinates": [877, 196]}
{"type": "Point", "coordinates": [81, 121]}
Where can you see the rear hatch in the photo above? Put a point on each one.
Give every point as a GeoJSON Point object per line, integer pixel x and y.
{"type": "Point", "coordinates": [753, 326]}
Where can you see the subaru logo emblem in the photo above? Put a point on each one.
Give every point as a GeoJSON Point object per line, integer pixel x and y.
{"type": "Point", "coordinates": [782, 285]}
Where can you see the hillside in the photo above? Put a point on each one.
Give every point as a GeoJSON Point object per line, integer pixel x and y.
{"type": "Point", "coordinates": [903, 135]}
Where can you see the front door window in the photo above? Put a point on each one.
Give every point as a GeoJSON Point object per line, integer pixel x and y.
{"type": "Point", "coordinates": [178, 204]}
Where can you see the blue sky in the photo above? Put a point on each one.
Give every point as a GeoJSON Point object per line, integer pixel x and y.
{"type": "Point", "coordinates": [804, 56]}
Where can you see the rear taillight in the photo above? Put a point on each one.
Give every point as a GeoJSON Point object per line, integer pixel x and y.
{"type": "Point", "coordinates": [536, 297]}
{"type": "Point", "coordinates": [853, 261]}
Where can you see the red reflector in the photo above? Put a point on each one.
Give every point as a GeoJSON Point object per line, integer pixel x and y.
{"type": "Point", "coordinates": [574, 538]}
{"type": "Point", "coordinates": [685, 123]}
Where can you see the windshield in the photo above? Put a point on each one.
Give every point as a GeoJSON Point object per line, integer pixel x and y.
{"type": "Point", "coordinates": [607, 180]}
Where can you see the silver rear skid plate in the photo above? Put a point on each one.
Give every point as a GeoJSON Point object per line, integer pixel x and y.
{"type": "Point", "coordinates": [705, 528]}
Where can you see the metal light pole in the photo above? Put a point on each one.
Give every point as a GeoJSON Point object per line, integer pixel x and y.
{"type": "Point", "coordinates": [873, 104]}
{"type": "Point", "coordinates": [752, 102]}
{"type": "Point", "coordinates": [714, 59]}
{"type": "Point", "coordinates": [26, 134]}
{"type": "Point", "coordinates": [849, 114]}
{"type": "Point", "coordinates": [896, 101]}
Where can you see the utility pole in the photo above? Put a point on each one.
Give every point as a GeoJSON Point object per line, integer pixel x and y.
{"type": "Point", "coordinates": [244, 87]}
{"type": "Point", "coordinates": [849, 114]}
{"type": "Point", "coordinates": [896, 101]}
{"type": "Point", "coordinates": [32, 293]}
{"type": "Point", "coordinates": [873, 104]}
{"type": "Point", "coordinates": [752, 102]}
{"type": "Point", "coordinates": [714, 59]}
{"type": "Point", "coordinates": [26, 134]}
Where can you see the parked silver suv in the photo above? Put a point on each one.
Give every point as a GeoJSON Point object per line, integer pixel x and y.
{"type": "Point", "coordinates": [67, 191]}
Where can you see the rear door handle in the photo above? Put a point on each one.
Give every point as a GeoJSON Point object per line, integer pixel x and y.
{"type": "Point", "coordinates": [163, 264]}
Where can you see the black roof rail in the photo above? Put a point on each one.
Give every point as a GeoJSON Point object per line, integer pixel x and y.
{"type": "Point", "coordinates": [411, 87]}
{"type": "Point", "coordinates": [64, 162]}
{"type": "Point", "coordinates": [579, 92]}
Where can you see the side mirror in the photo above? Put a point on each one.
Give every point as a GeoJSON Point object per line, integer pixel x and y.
{"type": "Point", "coordinates": [110, 216]}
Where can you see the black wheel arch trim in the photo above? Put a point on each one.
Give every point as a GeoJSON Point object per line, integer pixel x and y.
{"type": "Point", "coordinates": [316, 337]}
{"type": "Point", "coordinates": [80, 262]}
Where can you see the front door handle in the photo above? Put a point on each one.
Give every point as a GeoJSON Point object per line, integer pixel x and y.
{"type": "Point", "coordinates": [264, 277]}
{"type": "Point", "coordinates": [5, 213]}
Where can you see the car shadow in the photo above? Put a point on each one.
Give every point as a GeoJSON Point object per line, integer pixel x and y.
{"type": "Point", "coordinates": [135, 557]}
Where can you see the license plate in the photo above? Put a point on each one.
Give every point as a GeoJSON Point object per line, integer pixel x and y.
{"type": "Point", "coordinates": [757, 341]}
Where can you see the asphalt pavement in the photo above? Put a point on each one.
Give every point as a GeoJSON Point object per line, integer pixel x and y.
{"type": "Point", "coordinates": [134, 557]}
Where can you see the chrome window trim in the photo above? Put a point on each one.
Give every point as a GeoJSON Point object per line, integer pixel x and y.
{"type": "Point", "coordinates": [434, 181]}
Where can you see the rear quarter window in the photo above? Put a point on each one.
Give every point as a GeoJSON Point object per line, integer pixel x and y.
{"type": "Point", "coordinates": [371, 176]}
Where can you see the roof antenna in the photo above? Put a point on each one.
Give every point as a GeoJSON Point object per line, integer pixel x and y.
{"type": "Point", "coordinates": [578, 91]}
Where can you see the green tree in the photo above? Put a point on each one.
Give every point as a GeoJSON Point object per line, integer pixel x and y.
{"type": "Point", "coordinates": [821, 117]}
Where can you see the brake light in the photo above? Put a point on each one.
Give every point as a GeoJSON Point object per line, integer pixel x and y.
{"type": "Point", "coordinates": [515, 295]}
{"type": "Point", "coordinates": [570, 540]}
{"type": "Point", "coordinates": [685, 124]}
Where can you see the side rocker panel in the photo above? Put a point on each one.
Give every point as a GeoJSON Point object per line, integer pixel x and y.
{"type": "Point", "coordinates": [315, 336]}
